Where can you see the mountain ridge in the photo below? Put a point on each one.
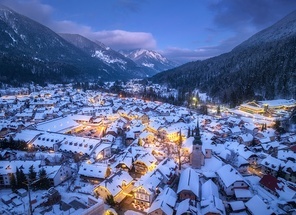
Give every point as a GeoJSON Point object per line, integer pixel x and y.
{"type": "Point", "coordinates": [262, 67]}
{"type": "Point", "coordinates": [148, 58]}
{"type": "Point", "coordinates": [30, 51]}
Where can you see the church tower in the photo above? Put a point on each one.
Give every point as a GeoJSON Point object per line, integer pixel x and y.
{"type": "Point", "coordinates": [197, 158]}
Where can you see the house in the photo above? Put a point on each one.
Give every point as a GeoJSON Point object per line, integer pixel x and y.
{"type": "Point", "coordinates": [289, 171]}
{"type": "Point", "coordinates": [230, 179]}
{"type": "Point", "coordinates": [93, 172]}
{"type": "Point", "coordinates": [129, 137]}
{"type": "Point", "coordinates": [271, 184]}
{"type": "Point", "coordinates": [146, 189]}
{"type": "Point", "coordinates": [144, 163]}
{"type": "Point", "coordinates": [55, 174]}
{"type": "Point", "coordinates": [271, 165]}
{"type": "Point", "coordinates": [256, 206]}
{"type": "Point", "coordinates": [167, 168]}
{"type": "Point", "coordinates": [116, 185]}
{"type": "Point", "coordinates": [187, 206]}
{"type": "Point", "coordinates": [246, 139]}
{"type": "Point", "coordinates": [124, 161]}
{"type": "Point", "coordinates": [147, 137]}
{"type": "Point", "coordinates": [164, 203]}
{"type": "Point", "coordinates": [250, 128]}
{"type": "Point", "coordinates": [211, 203]}
{"type": "Point", "coordinates": [188, 187]}
{"type": "Point", "coordinates": [242, 194]}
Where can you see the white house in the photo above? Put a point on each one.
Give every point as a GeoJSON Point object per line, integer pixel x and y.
{"type": "Point", "coordinates": [229, 179]}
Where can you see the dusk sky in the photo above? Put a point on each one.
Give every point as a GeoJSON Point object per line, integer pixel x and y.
{"type": "Point", "coordinates": [183, 30]}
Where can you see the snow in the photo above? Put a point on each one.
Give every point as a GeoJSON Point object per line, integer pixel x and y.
{"type": "Point", "coordinates": [107, 58]}
{"type": "Point", "coordinates": [150, 65]}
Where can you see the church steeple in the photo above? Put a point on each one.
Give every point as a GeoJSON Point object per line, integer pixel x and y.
{"type": "Point", "coordinates": [197, 156]}
{"type": "Point", "coordinates": [197, 138]}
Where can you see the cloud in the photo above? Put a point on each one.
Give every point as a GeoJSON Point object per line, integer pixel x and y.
{"type": "Point", "coordinates": [31, 8]}
{"type": "Point", "coordinates": [125, 39]}
{"type": "Point", "coordinates": [116, 39]}
{"type": "Point", "coordinates": [259, 14]}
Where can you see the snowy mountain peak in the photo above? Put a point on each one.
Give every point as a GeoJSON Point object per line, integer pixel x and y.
{"type": "Point", "coordinates": [150, 59]}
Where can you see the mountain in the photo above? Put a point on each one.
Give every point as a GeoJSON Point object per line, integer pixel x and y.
{"type": "Point", "coordinates": [150, 59]}
{"type": "Point", "coordinates": [121, 64]}
{"type": "Point", "coordinates": [262, 67]}
{"type": "Point", "coordinates": [30, 52]}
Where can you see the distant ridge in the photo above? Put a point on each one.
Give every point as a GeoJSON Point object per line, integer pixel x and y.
{"type": "Point", "coordinates": [150, 59]}
{"type": "Point", "coordinates": [263, 67]}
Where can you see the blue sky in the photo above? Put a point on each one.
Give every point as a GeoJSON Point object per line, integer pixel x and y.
{"type": "Point", "coordinates": [182, 30]}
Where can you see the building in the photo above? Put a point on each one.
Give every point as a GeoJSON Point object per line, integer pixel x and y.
{"type": "Point", "coordinates": [116, 185]}
{"type": "Point", "coordinates": [230, 179]}
{"type": "Point", "coordinates": [164, 203]}
{"type": "Point", "coordinates": [197, 158]}
{"type": "Point", "coordinates": [188, 187]}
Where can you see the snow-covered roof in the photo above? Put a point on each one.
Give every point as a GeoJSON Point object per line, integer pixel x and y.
{"type": "Point", "coordinates": [246, 137]}
{"type": "Point", "coordinates": [146, 158]}
{"type": "Point", "coordinates": [237, 205]}
{"type": "Point", "coordinates": [187, 205]}
{"type": "Point", "coordinates": [26, 135]}
{"type": "Point", "coordinates": [62, 124]}
{"type": "Point", "coordinates": [167, 167]}
{"type": "Point", "coordinates": [113, 183]}
{"type": "Point", "coordinates": [188, 181]}
{"type": "Point", "coordinates": [150, 181]}
{"type": "Point", "coordinates": [80, 117]}
{"type": "Point", "coordinates": [208, 189]}
{"type": "Point", "coordinates": [213, 205]}
{"type": "Point", "coordinates": [229, 175]}
{"type": "Point", "coordinates": [278, 102]}
{"type": "Point", "coordinates": [257, 207]}
{"type": "Point", "coordinates": [93, 170]}
{"type": "Point", "coordinates": [165, 201]}
{"type": "Point", "coordinates": [272, 163]}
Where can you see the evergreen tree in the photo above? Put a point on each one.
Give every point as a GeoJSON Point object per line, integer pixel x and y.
{"type": "Point", "coordinates": [13, 183]}
{"type": "Point", "coordinates": [32, 173]}
{"type": "Point", "coordinates": [110, 200]}
{"type": "Point", "coordinates": [218, 110]}
{"type": "Point", "coordinates": [21, 179]}
{"type": "Point", "coordinates": [43, 183]}
{"type": "Point", "coordinates": [188, 134]}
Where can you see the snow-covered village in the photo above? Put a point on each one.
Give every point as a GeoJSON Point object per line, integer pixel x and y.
{"type": "Point", "coordinates": [69, 151]}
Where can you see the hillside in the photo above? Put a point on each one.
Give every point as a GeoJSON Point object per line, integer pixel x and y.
{"type": "Point", "coordinates": [264, 66]}
{"type": "Point", "coordinates": [31, 52]}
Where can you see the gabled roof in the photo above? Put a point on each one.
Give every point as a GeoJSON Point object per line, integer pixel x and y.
{"type": "Point", "coordinates": [189, 180]}
{"type": "Point", "coordinates": [208, 189]}
{"type": "Point", "coordinates": [165, 201]}
{"type": "Point", "coordinates": [149, 182]}
{"type": "Point", "coordinates": [229, 175]}
{"type": "Point", "coordinates": [113, 183]}
{"type": "Point", "coordinates": [271, 182]}
{"type": "Point", "coordinates": [272, 163]}
{"type": "Point", "coordinates": [93, 170]}
{"type": "Point", "coordinates": [186, 205]}
{"type": "Point", "coordinates": [257, 207]}
{"type": "Point", "coordinates": [146, 158]}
